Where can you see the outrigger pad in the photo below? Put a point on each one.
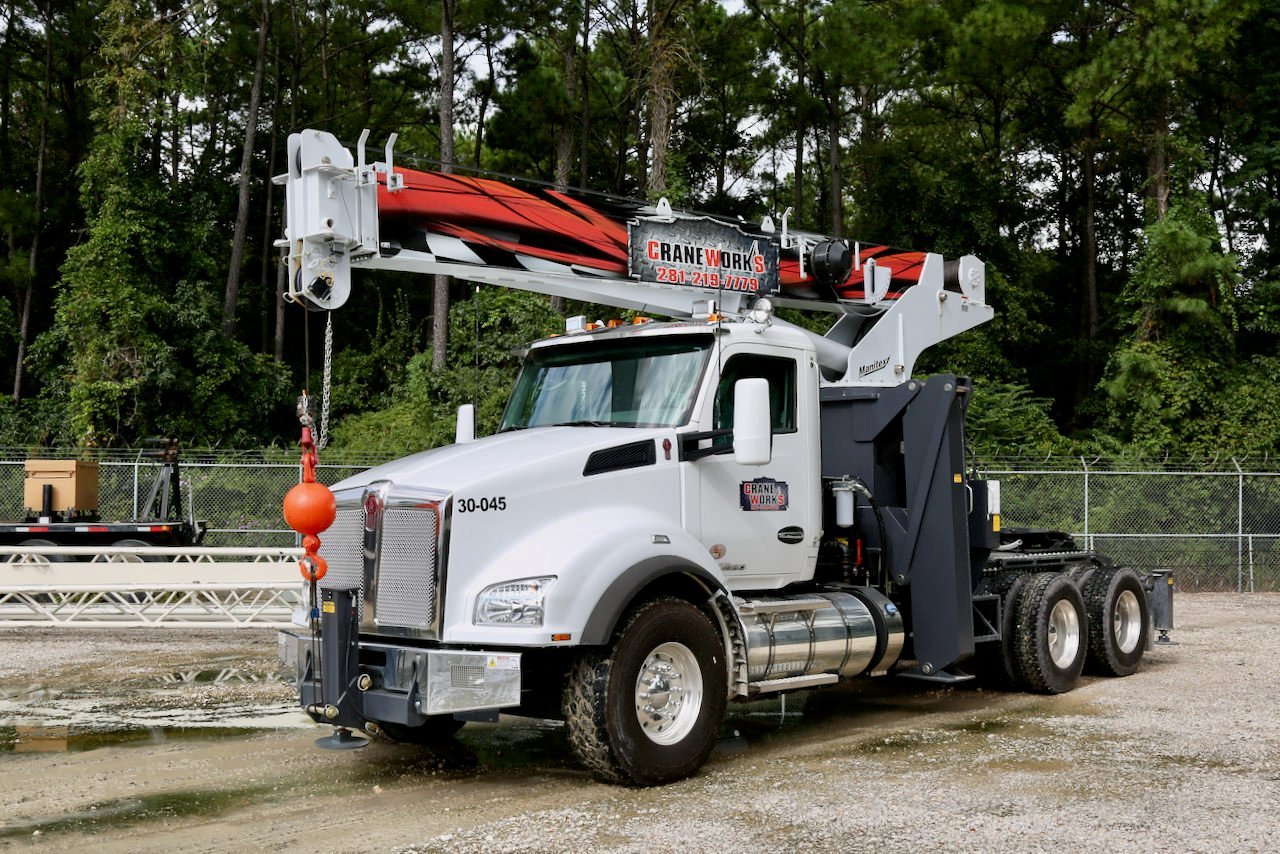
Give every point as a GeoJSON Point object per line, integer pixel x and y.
{"type": "Point", "coordinates": [342, 739]}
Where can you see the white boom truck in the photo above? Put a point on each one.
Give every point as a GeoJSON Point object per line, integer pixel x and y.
{"type": "Point", "coordinates": [673, 515]}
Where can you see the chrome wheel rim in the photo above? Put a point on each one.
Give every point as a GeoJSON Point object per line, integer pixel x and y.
{"type": "Point", "coordinates": [1126, 621]}
{"type": "Point", "coordinates": [1064, 634]}
{"type": "Point", "coordinates": [668, 693]}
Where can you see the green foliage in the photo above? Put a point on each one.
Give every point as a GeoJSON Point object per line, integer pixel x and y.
{"type": "Point", "coordinates": [723, 89]}
{"type": "Point", "coordinates": [1029, 133]}
{"type": "Point", "coordinates": [1007, 418]}
{"type": "Point", "coordinates": [137, 307]}
{"type": "Point", "coordinates": [483, 360]}
{"type": "Point", "coordinates": [1241, 105]}
{"type": "Point", "coordinates": [365, 376]}
{"type": "Point", "coordinates": [1244, 418]}
{"type": "Point", "coordinates": [1144, 49]}
{"type": "Point", "coordinates": [1179, 356]}
{"type": "Point", "coordinates": [530, 110]}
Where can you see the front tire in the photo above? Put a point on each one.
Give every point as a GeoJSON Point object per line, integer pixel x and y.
{"type": "Point", "coordinates": [1118, 621]}
{"type": "Point", "coordinates": [1051, 634]}
{"type": "Point", "coordinates": [648, 711]}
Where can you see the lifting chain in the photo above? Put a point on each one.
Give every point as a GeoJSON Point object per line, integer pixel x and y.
{"type": "Point", "coordinates": [324, 391]}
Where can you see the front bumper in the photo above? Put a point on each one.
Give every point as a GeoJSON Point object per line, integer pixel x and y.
{"type": "Point", "coordinates": [346, 682]}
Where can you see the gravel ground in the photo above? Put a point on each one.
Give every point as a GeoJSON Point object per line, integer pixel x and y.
{"type": "Point", "coordinates": [1184, 755]}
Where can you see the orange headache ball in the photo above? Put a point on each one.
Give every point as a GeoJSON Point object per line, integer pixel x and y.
{"type": "Point", "coordinates": [309, 508]}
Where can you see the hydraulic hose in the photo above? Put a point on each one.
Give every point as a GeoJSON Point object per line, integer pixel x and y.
{"type": "Point", "coordinates": [860, 487]}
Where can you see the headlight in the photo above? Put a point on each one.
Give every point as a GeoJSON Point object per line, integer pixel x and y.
{"type": "Point", "coordinates": [513, 603]}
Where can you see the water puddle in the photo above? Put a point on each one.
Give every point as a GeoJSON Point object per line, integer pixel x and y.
{"type": "Point", "coordinates": [36, 738]}
{"type": "Point", "coordinates": [200, 703]}
{"type": "Point", "coordinates": [126, 811]}
{"type": "Point", "coordinates": [221, 676]}
{"type": "Point", "coordinates": [88, 713]}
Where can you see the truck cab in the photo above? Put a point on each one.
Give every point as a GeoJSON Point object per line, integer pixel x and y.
{"type": "Point", "coordinates": [681, 378]}
{"type": "Point", "coordinates": [615, 454]}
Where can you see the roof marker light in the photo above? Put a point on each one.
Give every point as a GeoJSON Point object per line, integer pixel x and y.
{"type": "Point", "coordinates": [762, 312]}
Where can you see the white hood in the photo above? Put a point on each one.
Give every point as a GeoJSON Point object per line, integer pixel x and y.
{"type": "Point", "coordinates": [454, 467]}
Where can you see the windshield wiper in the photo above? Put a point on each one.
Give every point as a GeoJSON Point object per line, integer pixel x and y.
{"type": "Point", "coordinates": [583, 423]}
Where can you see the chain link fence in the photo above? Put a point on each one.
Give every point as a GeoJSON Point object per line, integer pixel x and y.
{"type": "Point", "coordinates": [238, 495]}
{"type": "Point", "coordinates": [1216, 526]}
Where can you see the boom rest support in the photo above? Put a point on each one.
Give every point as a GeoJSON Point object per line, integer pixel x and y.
{"type": "Point", "coordinates": [907, 444]}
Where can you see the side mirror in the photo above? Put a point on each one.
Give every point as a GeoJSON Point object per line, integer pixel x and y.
{"type": "Point", "coordinates": [752, 426]}
{"type": "Point", "coordinates": [466, 430]}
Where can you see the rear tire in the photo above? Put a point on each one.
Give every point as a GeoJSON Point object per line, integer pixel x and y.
{"type": "Point", "coordinates": [38, 543]}
{"type": "Point", "coordinates": [1081, 573]}
{"type": "Point", "coordinates": [1051, 634]}
{"type": "Point", "coordinates": [649, 710]}
{"type": "Point", "coordinates": [1119, 622]}
{"type": "Point", "coordinates": [137, 544]}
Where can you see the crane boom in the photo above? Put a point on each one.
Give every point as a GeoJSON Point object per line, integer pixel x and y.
{"type": "Point", "coordinates": [343, 213]}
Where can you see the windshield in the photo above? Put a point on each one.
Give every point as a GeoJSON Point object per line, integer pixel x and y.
{"type": "Point", "coordinates": [638, 382]}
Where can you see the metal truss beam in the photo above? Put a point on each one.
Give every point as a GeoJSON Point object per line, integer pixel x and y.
{"type": "Point", "coordinates": [151, 587]}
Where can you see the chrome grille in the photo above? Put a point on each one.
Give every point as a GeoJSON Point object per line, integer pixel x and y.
{"type": "Point", "coordinates": [343, 547]}
{"type": "Point", "coordinates": [407, 568]}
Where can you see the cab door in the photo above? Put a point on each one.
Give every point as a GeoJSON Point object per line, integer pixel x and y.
{"type": "Point", "coordinates": [761, 523]}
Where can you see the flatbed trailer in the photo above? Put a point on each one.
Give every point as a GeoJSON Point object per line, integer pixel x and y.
{"type": "Point", "coordinates": [99, 533]}
{"type": "Point", "coordinates": [62, 505]}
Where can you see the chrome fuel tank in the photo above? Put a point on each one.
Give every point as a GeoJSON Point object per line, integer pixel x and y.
{"type": "Point", "coordinates": [840, 633]}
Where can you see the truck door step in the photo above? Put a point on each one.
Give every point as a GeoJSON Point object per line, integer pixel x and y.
{"type": "Point", "coordinates": [792, 683]}
{"type": "Point", "coordinates": [940, 676]}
